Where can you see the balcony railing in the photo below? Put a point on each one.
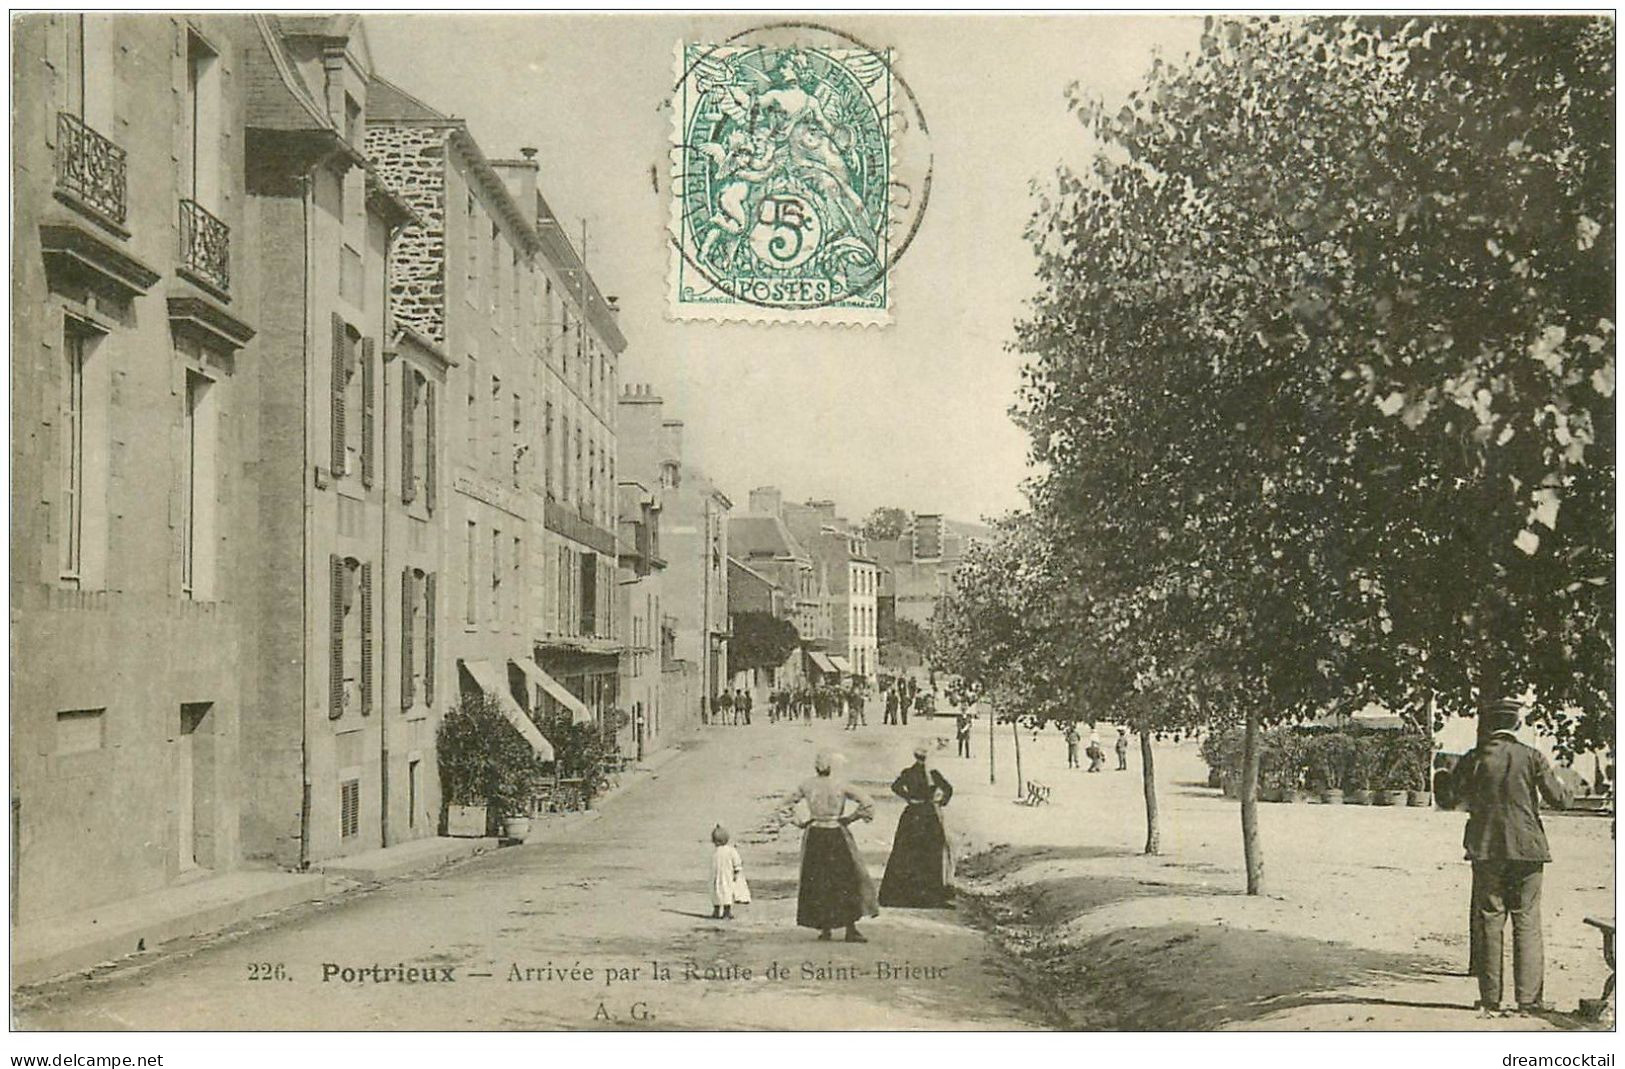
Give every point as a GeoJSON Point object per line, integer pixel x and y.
{"type": "Point", "coordinates": [90, 168]}
{"type": "Point", "coordinates": [205, 245]}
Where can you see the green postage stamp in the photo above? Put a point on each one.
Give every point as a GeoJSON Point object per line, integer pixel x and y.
{"type": "Point", "coordinates": [784, 202]}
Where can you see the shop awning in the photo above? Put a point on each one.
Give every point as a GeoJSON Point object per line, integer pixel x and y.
{"type": "Point", "coordinates": [822, 662]}
{"type": "Point", "coordinates": [841, 664]}
{"type": "Point", "coordinates": [490, 680]}
{"type": "Point", "coordinates": [555, 690]}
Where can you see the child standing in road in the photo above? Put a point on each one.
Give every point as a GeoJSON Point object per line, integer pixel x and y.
{"type": "Point", "coordinates": [727, 876]}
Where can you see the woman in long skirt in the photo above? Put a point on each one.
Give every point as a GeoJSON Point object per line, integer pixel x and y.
{"type": "Point", "coordinates": [919, 870]}
{"type": "Point", "coordinates": [835, 889]}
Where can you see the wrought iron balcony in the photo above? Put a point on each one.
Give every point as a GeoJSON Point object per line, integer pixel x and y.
{"type": "Point", "coordinates": [90, 168]}
{"type": "Point", "coordinates": [205, 245]}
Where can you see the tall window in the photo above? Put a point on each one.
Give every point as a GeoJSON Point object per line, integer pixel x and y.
{"type": "Point", "coordinates": [471, 411]}
{"type": "Point", "coordinates": [549, 474]}
{"type": "Point", "coordinates": [89, 80]}
{"type": "Point", "coordinates": [471, 249]}
{"type": "Point", "coordinates": [514, 564]}
{"type": "Point", "coordinates": [471, 574]}
{"type": "Point", "coordinates": [564, 461]}
{"type": "Point", "coordinates": [201, 178]}
{"type": "Point", "coordinates": [351, 636]}
{"type": "Point", "coordinates": [198, 491]}
{"type": "Point", "coordinates": [499, 430]}
{"type": "Point", "coordinates": [77, 344]}
{"type": "Point", "coordinates": [495, 618]}
{"type": "Point", "coordinates": [517, 439]}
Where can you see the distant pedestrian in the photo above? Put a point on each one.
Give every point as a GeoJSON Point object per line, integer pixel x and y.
{"type": "Point", "coordinates": [1502, 782]}
{"type": "Point", "coordinates": [723, 707]}
{"type": "Point", "coordinates": [891, 706]}
{"type": "Point", "coordinates": [1096, 755]}
{"type": "Point", "coordinates": [746, 702]}
{"type": "Point", "coordinates": [728, 886]}
{"type": "Point", "coordinates": [853, 709]}
{"type": "Point", "coordinates": [1072, 740]}
{"type": "Point", "coordinates": [1122, 749]}
{"type": "Point", "coordinates": [962, 734]}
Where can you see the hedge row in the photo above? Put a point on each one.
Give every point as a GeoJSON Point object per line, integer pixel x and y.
{"type": "Point", "coordinates": [1321, 760]}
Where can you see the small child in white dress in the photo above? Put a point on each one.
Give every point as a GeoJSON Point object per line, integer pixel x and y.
{"type": "Point", "coordinates": [728, 885]}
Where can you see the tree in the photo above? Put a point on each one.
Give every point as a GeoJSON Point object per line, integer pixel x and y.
{"type": "Point", "coordinates": [761, 640]}
{"type": "Point", "coordinates": [1322, 346]}
{"type": "Point", "coordinates": [886, 524]}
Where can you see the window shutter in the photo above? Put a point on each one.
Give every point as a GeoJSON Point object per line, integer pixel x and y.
{"type": "Point", "coordinates": [409, 489]}
{"type": "Point", "coordinates": [428, 639]}
{"type": "Point", "coordinates": [366, 638]}
{"type": "Point", "coordinates": [366, 411]}
{"type": "Point", "coordinates": [408, 698]}
{"type": "Point", "coordinates": [335, 707]}
{"type": "Point", "coordinates": [430, 478]}
{"type": "Point", "coordinates": [338, 395]}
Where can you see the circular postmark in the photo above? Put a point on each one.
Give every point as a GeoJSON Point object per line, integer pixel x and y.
{"type": "Point", "coordinates": [801, 172]}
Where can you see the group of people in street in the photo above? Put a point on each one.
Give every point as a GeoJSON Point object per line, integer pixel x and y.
{"type": "Point", "coordinates": [1094, 752]}
{"type": "Point", "coordinates": [825, 700]}
{"type": "Point", "coordinates": [834, 889]}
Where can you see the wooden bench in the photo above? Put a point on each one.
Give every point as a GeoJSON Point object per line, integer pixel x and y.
{"type": "Point", "coordinates": [1037, 794]}
{"type": "Point", "coordinates": [1600, 1008]}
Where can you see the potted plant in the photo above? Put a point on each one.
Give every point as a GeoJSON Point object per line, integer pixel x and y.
{"type": "Point", "coordinates": [1413, 765]}
{"type": "Point", "coordinates": [580, 751]}
{"type": "Point", "coordinates": [1327, 761]}
{"type": "Point", "coordinates": [1400, 772]}
{"type": "Point", "coordinates": [1361, 771]}
{"type": "Point", "coordinates": [485, 764]}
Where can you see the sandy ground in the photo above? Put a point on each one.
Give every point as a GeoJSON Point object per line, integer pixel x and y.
{"type": "Point", "coordinates": [619, 893]}
{"type": "Point", "coordinates": [1363, 925]}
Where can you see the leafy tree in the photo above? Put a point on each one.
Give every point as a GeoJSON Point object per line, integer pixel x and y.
{"type": "Point", "coordinates": [885, 524]}
{"type": "Point", "coordinates": [761, 640]}
{"type": "Point", "coordinates": [1322, 350]}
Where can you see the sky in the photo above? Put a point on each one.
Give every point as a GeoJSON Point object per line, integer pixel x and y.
{"type": "Point", "coordinates": [914, 414]}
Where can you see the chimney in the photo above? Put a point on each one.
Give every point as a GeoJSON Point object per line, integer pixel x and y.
{"type": "Point", "coordinates": [766, 501]}
{"type": "Point", "coordinates": [825, 509]}
{"type": "Point", "coordinates": [671, 440]}
{"type": "Point", "coordinates": [520, 177]}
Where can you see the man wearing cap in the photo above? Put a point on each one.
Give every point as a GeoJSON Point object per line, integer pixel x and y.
{"type": "Point", "coordinates": [1502, 782]}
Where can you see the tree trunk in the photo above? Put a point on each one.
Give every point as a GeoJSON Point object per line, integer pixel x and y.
{"type": "Point", "coordinates": [1153, 830]}
{"type": "Point", "coordinates": [1015, 733]}
{"type": "Point", "coordinates": [992, 773]}
{"type": "Point", "coordinates": [1250, 848]}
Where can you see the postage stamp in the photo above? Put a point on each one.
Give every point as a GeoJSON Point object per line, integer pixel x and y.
{"type": "Point", "coordinates": [786, 203]}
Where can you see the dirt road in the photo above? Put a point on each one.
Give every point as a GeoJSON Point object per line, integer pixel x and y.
{"type": "Point", "coordinates": [605, 927]}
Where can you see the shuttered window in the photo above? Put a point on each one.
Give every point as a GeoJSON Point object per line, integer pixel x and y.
{"type": "Point", "coordinates": [341, 374]}
{"type": "Point", "coordinates": [367, 417]}
{"type": "Point", "coordinates": [337, 574]}
{"type": "Point", "coordinates": [350, 808]}
{"type": "Point", "coordinates": [409, 474]}
{"type": "Point", "coordinates": [430, 478]}
{"type": "Point", "coordinates": [428, 638]}
{"type": "Point", "coordinates": [408, 601]}
{"type": "Point", "coordinates": [366, 639]}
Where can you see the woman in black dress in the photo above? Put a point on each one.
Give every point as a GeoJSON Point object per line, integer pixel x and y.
{"type": "Point", "coordinates": [920, 868]}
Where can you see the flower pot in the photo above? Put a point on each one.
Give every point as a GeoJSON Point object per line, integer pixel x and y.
{"type": "Point", "coordinates": [515, 827]}
{"type": "Point", "coordinates": [1291, 794]}
{"type": "Point", "coordinates": [1331, 796]}
{"type": "Point", "coordinates": [1389, 797]}
{"type": "Point", "coordinates": [1357, 797]}
{"type": "Point", "coordinates": [1269, 794]}
{"type": "Point", "coordinates": [1232, 789]}
{"type": "Point", "coordinates": [1419, 799]}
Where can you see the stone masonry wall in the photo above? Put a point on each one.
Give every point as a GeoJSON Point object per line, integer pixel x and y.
{"type": "Point", "coordinates": [411, 160]}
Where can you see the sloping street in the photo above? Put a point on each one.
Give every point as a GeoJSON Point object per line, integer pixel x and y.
{"type": "Point", "coordinates": [614, 896]}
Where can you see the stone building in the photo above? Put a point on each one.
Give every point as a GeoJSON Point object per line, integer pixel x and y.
{"type": "Point", "coordinates": [463, 282]}
{"type": "Point", "coordinates": [639, 614]}
{"type": "Point", "coordinates": [850, 582]}
{"type": "Point", "coordinates": [694, 542]}
{"type": "Point", "coordinates": [133, 458]}
{"type": "Point", "coordinates": [341, 764]}
{"type": "Point", "coordinates": [763, 544]}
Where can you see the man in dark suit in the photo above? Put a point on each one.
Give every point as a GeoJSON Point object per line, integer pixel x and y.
{"type": "Point", "coordinates": [1502, 782]}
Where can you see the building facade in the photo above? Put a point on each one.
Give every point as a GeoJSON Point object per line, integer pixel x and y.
{"type": "Point", "coordinates": [850, 584]}
{"type": "Point", "coordinates": [694, 541]}
{"type": "Point", "coordinates": [133, 465]}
